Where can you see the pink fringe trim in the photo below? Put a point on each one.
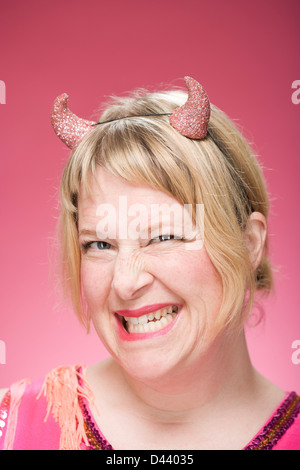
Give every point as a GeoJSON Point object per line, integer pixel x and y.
{"type": "Point", "coordinates": [61, 389]}
{"type": "Point", "coordinates": [16, 392]}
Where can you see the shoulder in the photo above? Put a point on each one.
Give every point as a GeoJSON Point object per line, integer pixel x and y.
{"type": "Point", "coordinates": [282, 431]}
{"type": "Point", "coordinates": [23, 416]}
{"type": "Point", "coordinates": [289, 431]}
{"type": "Point", "coordinates": [33, 413]}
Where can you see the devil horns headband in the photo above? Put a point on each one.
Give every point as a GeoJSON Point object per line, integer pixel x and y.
{"type": "Point", "coordinates": [190, 120]}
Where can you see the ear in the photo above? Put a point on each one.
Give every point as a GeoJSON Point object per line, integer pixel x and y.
{"type": "Point", "coordinates": [255, 235]}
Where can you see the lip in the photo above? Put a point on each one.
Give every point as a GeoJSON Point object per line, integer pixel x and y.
{"type": "Point", "coordinates": [144, 310]}
{"type": "Point", "coordinates": [123, 335]}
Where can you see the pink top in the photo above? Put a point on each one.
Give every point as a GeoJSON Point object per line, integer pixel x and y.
{"type": "Point", "coordinates": [54, 413]}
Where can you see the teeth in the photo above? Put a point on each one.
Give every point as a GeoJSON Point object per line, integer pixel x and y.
{"type": "Point", "coordinates": [145, 323]}
{"type": "Point", "coordinates": [163, 312]}
{"type": "Point", "coordinates": [159, 314]}
{"type": "Point", "coordinates": [150, 326]}
{"type": "Point", "coordinates": [142, 320]}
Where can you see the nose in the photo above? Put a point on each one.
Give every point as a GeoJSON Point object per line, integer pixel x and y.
{"type": "Point", "coordinates": [131, 275]}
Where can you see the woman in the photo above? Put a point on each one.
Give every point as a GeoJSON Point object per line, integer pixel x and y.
{"type": "Point", "coordinates": [163, 222]}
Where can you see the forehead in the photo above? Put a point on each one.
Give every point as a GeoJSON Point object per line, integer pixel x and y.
{"type": "Point", "coordinates": [107, 188]}
{"type": "Point", "coordinates": [115, 206]}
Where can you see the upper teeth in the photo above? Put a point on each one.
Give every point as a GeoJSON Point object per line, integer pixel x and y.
{"type": "Point", "coordinates": [150, 316]}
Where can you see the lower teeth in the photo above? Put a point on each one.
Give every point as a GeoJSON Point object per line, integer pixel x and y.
{"type": "Point", "coordinates": [151, 325]}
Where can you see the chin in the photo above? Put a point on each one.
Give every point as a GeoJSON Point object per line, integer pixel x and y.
{"type": "Point", "coordinates": [145, 368]}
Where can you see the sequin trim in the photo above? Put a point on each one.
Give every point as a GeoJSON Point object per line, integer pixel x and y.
{"type": "Point", "coordinates": [278, 425]}
{"type": "Point", "coordinates": [96, 441]}
{"type": "Point", "coordinates": [4, 407]}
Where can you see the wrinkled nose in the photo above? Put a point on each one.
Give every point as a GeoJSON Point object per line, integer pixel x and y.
{"type": "Point", "coordinates": [131, 274]}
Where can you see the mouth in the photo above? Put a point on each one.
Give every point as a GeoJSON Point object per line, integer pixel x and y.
{"type": "Point", "coordinates": [150, 322]}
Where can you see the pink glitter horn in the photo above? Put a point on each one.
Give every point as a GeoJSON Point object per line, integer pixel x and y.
{"type": "Point", "coordinates": [190, 120]}
{"type": "Point", "coordinates": [68, 127]}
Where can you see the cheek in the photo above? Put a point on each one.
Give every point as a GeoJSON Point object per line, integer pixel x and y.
{"type": "Point", "coordinates": [95, 284]}
{"type": "Point", "coordinates": [209, 284]}
{"type": "Point", "coordinates": [196, 277]}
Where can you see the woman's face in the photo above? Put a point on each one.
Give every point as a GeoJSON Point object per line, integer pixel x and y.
{"type": "Point", "coordinates": [150, 287]}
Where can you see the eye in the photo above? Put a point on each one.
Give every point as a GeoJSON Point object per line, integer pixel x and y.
{"type": "Point", "coordinates": [98, 246]}
{"type": "Point", "coordinates": [162, 238]}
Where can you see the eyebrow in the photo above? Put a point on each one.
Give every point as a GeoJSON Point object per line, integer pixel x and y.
{"type": "Point", "coordinates": [157, 225]}
{"type": "Point", "coordinates": [93, 233]}
{"type": "Point", "coordinates": [87, 231]}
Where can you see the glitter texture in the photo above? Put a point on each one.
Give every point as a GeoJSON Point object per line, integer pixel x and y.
{"type": "Point", "coordinates": [191, 119]}
{"type": "Point", "coordinates": [4, 408]}
{"type": "Point", "coordinates": [68, 127]}
{"type": "Point", "coordinates": [96, 440]}
{"type": "Point", "coordinates": [278, 425]}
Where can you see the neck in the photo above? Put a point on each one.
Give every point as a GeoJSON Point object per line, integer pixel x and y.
{"type": "Point", "coordinates": [221, 374]}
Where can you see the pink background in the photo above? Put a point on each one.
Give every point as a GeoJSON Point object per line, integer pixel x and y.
{"type": "Point", "coordinates": [246, 54]}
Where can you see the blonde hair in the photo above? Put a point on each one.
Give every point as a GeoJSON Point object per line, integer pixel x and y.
{"type": "Point", "coordinates": [219, 171]}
